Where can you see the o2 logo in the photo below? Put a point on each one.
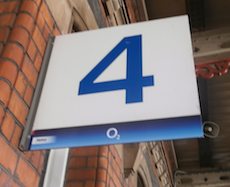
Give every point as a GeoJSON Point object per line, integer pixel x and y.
{"type": "Point", "coordinates": [134, 82]}
{"type": "Point", "coordinates": [112, 133]}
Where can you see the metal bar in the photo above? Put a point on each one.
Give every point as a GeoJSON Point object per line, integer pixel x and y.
{"type": "Point", "coordinates": [204, 179]}
{"type": "Point", "coordinates": [211, 52]}
{"type": "Point", "coordinates": [56, 168]}
{"type": "Point", "coordinates": [26, 136]}
{"type": "Point", "coordinates": [205, 151]}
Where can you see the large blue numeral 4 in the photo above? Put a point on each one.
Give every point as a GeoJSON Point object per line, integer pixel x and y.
{"type": "Point", "coordinates": [134, 82]}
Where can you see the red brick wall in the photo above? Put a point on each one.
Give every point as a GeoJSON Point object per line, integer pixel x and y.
{"type": "Point", "coordinates": [24, 29]}
{"type": "Point", "coordinates": [95, 167]}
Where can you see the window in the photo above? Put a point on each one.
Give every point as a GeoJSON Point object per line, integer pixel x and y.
{"type": "Point", "coordinates": [140, 181]}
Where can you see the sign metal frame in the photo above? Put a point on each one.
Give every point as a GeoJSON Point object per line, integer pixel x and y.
{"type": "Point", "coordinates": [145, 129]}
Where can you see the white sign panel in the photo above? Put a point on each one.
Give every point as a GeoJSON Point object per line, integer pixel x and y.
{"type": "Point", "coordinates": [123, 84]}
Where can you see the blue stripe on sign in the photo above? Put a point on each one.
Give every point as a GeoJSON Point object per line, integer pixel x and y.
{"type": "Point", "coordinates": [141, 131]}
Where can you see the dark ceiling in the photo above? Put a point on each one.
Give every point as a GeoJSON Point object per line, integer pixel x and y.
{"type": "Point", "coordinates": [207, 154]}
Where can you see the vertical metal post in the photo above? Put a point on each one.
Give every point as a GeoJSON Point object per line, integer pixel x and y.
{"type": "Point", "coordinates": [56, 168]}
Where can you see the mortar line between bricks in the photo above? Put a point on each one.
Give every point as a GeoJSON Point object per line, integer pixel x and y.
{"type": "Point", "coordinates": [82, 181]}
{"type": "Point", "coordinates": [27, 13]}
{"type": "Point", "coordinates": [36, 3]}
{"type": "Point", "coordinates": [22, 156]}
{"type": "Point", "coordinates": [16, 120]}
{"type": "Point", "coordinates": [10, 139]}
{"type": "Point", "coordinates": [26, 10]}
{"type": "Point", "coordinates": [15, 179]}
{"type": "Point", "coordinates": [4, 42]}
{"type": "Point", "coordinates": [12, 86]}
{"type": "Point", "coordinates": [16, 43]}
{"type": "Point", "coordinates": [56, 25]}
{"type": "Point", "coordinates": [35, 54]}
{"type": "Point", "coordinates": [33, 2]}
{"type": "Point", "coordinates": [6, 109]}
{"type": "Point", "coordinates": [6, 81]}
{"type": "Point", "coordinates": [83, 167]}
{"type": "Point", "coordinates": [5, 26]}
{"type": "Point", "coordinates": [17, 7]}
{"type": "Point", "coordinates": [24, 28]}
{"type": "Point", "coordinates": [20, 69]}
{"type": "Point", "coordinates": [114, 160]}
{"type": "Point", "coordinates": [13, 89]}
{"type": "Point", "coordinates": [24, 102]}
{"type": "Point", "coordinates": [36, 25]}
{"type": "Point", "coordinates": [3, 106]}
{"type": "Point", "coordinates": [19, 44]}
{"type": "Point", "coordinates": [4, 116]}
{"type": "Point", "coordinates": [18, 158]}
{"type": "Point", "coordinates": [37, 44]}
{"type": "Point", "coordinates": [7, 13]}
{"type": "Point", "coordinates": [97, 173]}
{"type": "Point", "coordinates": [107, 165]}
{"type": "Point", "coordinates": [66, 168]}
{"type": "Point", "coordinates": [16, 125]}
{"type": "Point", "coordinates": [90, 156]}
{"type": "Point", "coordinates": [13, 149]}
{"type": "Point", "coordinates": [8, 26]}
{"type": "Point", "coordinates": [43, 171]}
{"type": "Point", "coordinates": [108, 179]}
{"type": "Point", "coordinates": [102, 167]}
{"type": "Point", "coordinates": [99, 181]}
{"type": "Point", "coordinates": [22, 97]}
{"type": "Point", "coordinates": [11, 61]}
{"type": "Point", "coordinates": [7, 104]}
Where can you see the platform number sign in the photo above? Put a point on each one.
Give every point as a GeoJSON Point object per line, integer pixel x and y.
{"type": "Point", "coordinates": [134, 82]}
{"type": "Point", "coordinates": [126, 84]}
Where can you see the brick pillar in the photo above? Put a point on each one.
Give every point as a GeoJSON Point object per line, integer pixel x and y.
{"type": "Point", "coordinates": [95, 167]}
{"type": "Point", "coordinates": [24, 29]}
